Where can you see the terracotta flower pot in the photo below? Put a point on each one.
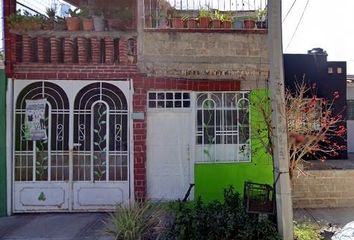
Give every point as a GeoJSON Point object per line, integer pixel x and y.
{"type": "Point", "coordinates": [204, 22]}
{"type": "Point", "coordinates": [87, 24]}
{"type": "Point", "coordinates": [177, 23]}
{"type": "Point", "coordinates": [73, 23]}
{"type": "Point", "coordinates": [249, 24]}
{"type": "Point", "coordinates": [192, 23]}
{"type": "Point", "coordinates": [227, 24]}
{"type": "Point", "coordinates": [216, 23]}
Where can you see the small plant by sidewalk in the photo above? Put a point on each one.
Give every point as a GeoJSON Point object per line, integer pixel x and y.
{"type": "Point", "coordinates": [137, 221]}
{"type": "Point", "coordinates": [225, 220]}
{"type": "Point", "coordinates": [306, 232]}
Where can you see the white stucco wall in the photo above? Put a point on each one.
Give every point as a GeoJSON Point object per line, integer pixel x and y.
{"type": "Point", "coordinates": [350, 123]}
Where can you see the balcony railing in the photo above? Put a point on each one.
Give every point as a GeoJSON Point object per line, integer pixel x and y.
{"type": "Point", "coordinates": [74, 48]}
{"type": "Point", "coordinates": [161, 13]}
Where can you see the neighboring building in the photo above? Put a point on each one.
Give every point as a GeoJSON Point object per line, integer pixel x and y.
{"type": "Point", "coordinates": [328, 77]}
{"type": "Point", "coordinates": [135, 112]}
{"type": "Point", "coordinates": [350, 113]}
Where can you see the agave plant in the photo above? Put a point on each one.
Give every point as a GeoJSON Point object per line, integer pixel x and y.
{"type": "Point", "coordinates": [135, 221]}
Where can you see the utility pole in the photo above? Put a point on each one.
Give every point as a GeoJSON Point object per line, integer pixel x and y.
{"type": "Point", "coordinates": [279, 126]}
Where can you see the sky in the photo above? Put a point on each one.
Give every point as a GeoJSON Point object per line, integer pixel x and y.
{"type": "Point", "coordinates": [328, 24]}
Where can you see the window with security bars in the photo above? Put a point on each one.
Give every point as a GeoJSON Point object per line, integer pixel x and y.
{"type": "Point", "coordinates": [350, 109]}
{"type": "Point", "coordinates": [176, 100]}
{"type": "Point", "coordinates": [223, 127]}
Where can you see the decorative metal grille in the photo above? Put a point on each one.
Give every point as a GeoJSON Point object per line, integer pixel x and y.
{"type": "Point", "coordinates": [222, 127]}
{"type": "Point", "coordinates": [100, 134]}
{"type": "Point", "coordinates": [46, 160]}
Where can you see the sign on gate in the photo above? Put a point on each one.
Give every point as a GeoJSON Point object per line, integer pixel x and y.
{"type": "Point", "coordinates": [35, 119]}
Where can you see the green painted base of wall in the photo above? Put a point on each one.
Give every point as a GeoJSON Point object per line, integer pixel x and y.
{"type": "Point", "coordinates": [2, 143]}
{"type": "Point", "coordinates": [212, 178]}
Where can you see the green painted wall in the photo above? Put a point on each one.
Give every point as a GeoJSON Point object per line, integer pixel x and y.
{"type": "Point", "coordinates": [212, 178]}
{"type": "Point", "coordinates": [2, 143]}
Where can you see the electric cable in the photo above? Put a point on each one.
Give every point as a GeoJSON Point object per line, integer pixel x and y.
{"type": "Point", "coordinates": [298, 24]}
{"type": "Point", "coordinates": [287, 14]}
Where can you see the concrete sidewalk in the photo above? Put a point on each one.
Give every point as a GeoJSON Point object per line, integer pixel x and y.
{"type": "Point", "coordinates": [325, 216]}
{"type": "Point", "coordinates": [86, 226]}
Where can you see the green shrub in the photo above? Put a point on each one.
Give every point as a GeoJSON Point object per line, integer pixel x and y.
{"type": "Point", "coordinates": [306, 232]}
{"type": "Point", "coordinates": [218, 221]}
{"type": "Point", "coordinates": [134, 222]}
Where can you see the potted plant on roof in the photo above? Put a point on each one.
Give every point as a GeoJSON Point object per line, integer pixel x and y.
{"type": "Point", "coordinates": [192, 22]}
{"type": "Point", "coordinates": [98, 20]}
{"type": "Point", "coordinates": [249, 22]}
{"type": "Point", "coordinates": [48, 23]}
{"type": "Point", "coordinates": [204, 18]}
{"type": "Point", "coordinates": [177, 20]}
{"type": "Point", "coordinates": [73, 22]}
{"type": "Point", "coordinates": [17, 21]}
{"type": "Point", "coordinates": [262, 19]}
{"type": "Point", "coordinates": [216, 19]}
{"type": "Point", "coordinates": [238, 22]}
{"type": "Point", "coordinates": [87, 22]}
{"type": "Point", "coordinates": [227, 20]}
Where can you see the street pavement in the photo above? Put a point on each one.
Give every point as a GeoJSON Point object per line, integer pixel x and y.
{"type": "Point", "coordinates": [78, 226]}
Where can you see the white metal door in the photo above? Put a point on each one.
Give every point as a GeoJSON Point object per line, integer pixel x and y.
{"type": "Point", "coordinates": [84, 164]}
{"type": "Point", "coordinates": [169, 168]}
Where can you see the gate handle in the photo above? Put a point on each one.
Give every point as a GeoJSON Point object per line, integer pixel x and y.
{"type": "Point", "coordinates": [77, 145]}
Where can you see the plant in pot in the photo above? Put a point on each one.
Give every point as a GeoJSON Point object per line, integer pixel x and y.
{"type": "Point", "coordinates": [262, 19]}
{"type": "Point", "coordinates": [238, 22]}
{"type": "Point", "coordinates": [192, 22]}
{"type": "Point", "coordinates": [87, 22]}
{"type": "Point", "coordinates": [249, 22]}
{"type": "Point", "coordinates": [73, 22]}
{"type": "Point", "coordinates": [176, 19]}
{"type": "Point", "coordinates": [60, 24]}
{"type": "Point", "coordinates": [227, 20]}
{"type": "Point", "coordinates": [98, 20]}
{"type": "Point", "coordinates": [48, 23]}
{"type": "Point", "coordinates": [204, 18]}
{"type": "Point", "coordinates": [33, 22]}
{"type": "Point", "coordinates": [217, 19]}
{"type": "Point", "coordinates": [17, 21]}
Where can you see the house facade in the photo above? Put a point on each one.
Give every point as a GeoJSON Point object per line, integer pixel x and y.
{"type": "Point", "coordinates": [326, 78]}
{"type": "Point", "coordinates": [142, 110]}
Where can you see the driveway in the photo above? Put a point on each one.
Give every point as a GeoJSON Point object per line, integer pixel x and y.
{"type": "Point", "coordinates": [53, 226]}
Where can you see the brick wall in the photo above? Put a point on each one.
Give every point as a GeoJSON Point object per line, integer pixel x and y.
{"type": "Point", "coordinates": [141, 83]}
{"type": "Point", "coordinates": [324, 189]}
{"type": "Point", "coordinates": [206, 55]}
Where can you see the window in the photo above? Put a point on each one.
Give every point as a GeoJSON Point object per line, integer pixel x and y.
{"type": "Point", "coordinates": [177, 100]}
{"type": "Point", "coordinates": [222, 127]}
{"type": "Point", "coordinates": [350, 109]}
{"type": "Point", "coordinates": [339, 70]}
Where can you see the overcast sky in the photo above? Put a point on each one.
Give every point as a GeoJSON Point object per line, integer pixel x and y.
{"type": "Point", "coordinates": [328, 24]}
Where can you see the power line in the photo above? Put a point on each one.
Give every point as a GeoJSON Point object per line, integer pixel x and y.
{"type": "Point", "coordinates": [292, 5]}
{"type": "Point", "coordinates": [298, 24]}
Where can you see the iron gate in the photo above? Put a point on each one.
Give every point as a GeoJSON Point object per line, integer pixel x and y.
{"type": "Point", "coordinates": [84, 164]}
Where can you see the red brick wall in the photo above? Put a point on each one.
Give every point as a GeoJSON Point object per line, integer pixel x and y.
{"type": "Point", "coordinates": [141, 84]}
